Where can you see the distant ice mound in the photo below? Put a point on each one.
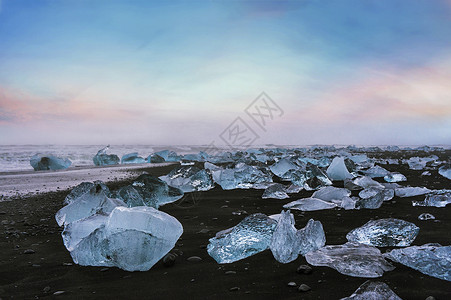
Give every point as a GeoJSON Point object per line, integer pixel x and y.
{"type": "Point", "coordinates": [41, 162]}
{"type": "Point", "coordinates": [104, 159]}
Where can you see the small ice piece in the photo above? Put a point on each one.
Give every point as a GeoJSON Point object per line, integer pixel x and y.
{"type": "Point", "coordinates": [287, 242]}
{"type": "Point", "coordinates": [430, 259]}
{"type": "Point", "coordinates": [437, 199]}
{"type": "Point", "coordinates": [426, 173]}
{"type": "Point", "coordinates": [373, 290]}
{"type": "Point", "coordinates": [189, 179]}
{"type": "Point", "coordinates": [132, 158]}
{"type": "Point", "coordinates": [242, 177]}
{"type": "Point", "coordinates": [388, 194]}
{"type": "Point", "coordinates": [275, 191]}
{"type": "Point", "coordinates": [309, 204]}
{"type": "Point", "coordinates": [155, 191]}
{"type": "Point", "coordinates": [49, 162]}
{"type": "Point", "coordinates": [130, 196]}
{"type": "Point", "coordinates": [426, 216]}
{"type": "Point", "coordinates": [395, 177]}
{"type": "Point", "coordinates": [411, 191]}
{"type": "Point", "coordinates": [366, 182]}
{"type": "Point", "coordinates": [133, 239]}
{"type": "Point", "coordinates": [352, 259]}
{"type": "Point", "coordinates": [445, 171]}
{"type": "Point", "coordinates": [251, 236]}
{"type": "Point", "coordinates": [372, 198]}
{"type": "Point", "coordinates": [282, 166]}
{"type": "Point", "coordinates": [168, 155]}
{"type": "Point", "coordinates": [89, 204]}
{"type": "Point", "coordinates": [103, 159]}
{"type": "Point", "coordinates": [330, 193]}
{"type": "Point", "coordinates": [337, 169]}
{"type": "Point", "coordinates": [376, 171]}
{"type": "Point", "coordinates": [385, 233]}
{"type": "Point", "coordinates": [85, 187]}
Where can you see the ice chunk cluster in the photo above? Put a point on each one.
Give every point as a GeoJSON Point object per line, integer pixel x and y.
{"type": "Point", "coordinates": [437, 199]}
{"type": "Point", "coordinates": [49, 162]}
{"type": "Point", "coordinates": [385, 233]}
{"type": "Point", "coordinates": [251, 236]}
{"type": "Point", "coordinates": [189, 179]}
{"type": "Point", "coordinates": [242, 176]}
{"type": "Point", "coordinates": [352, 259]}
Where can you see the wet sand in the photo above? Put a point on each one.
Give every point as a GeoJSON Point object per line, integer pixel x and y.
{"type": "Point", "coordinates": [28, 224]}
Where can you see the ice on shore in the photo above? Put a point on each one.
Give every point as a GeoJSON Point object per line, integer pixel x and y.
{"type": "Point", "coordinates": [155, 159]}
{"type": "Point", "coordinates": [283, 166]}
{"type": "Point", "coordinates": [130, 196]}
{"type": "Point", "coordinates": [337, 169]}
{"type": "Point", "coordinates": [251, 236]}
{"type": "Point", "coordinates": [74, 232]}
{"type": "Point", "coordinates": [104, 159]}
{"type": "Point", "coordinates": [395, 177]}
{"type": "Point", "coordinates": [371, 198]}
{"type": "Point", "coordinates": [373, 290]}
{"type": "Point", "coordinates": [155, 192]}
{"type": "Point", "coordinates": [168, 155]}
{"type": "Point", "coordinates": [411, 191]}
{"type": "Point", "coordinates": [330, 193]}
{"type": "Point", "coordinates": [385, 233]}
{"type": "Point", "coordinates": [287, 242]}
{"type": "Point", "coordinates": [366, 182]}
{"type": "Point", "coordinates": [189, 179]}
{"type": "Point", "coordinates": [352, 259]}
{"type": "Point", "coordinates": [310, 204]}
{"type": "Point", "coordinates": [275, 191]}
{"type": "Point", "coordinates": [445, 171]}
{"type": "Point", "coordinates": [426, 216]}
{"type": "Point", "coordinates": [85, 187]}
{"type": "Point", "coordinates": [132, 158]}
{"type": "Point", "coordinates": [376, 171]}
{"type": "Point", "coordinates": [133, 239]}
{"type": "Point", "coordinates": [437, 199]}
{"type": "Point", "coordinates": [242, 176]}
{"type": "Point", "coordinates": [419, 163]}
{"type": "Point", "coordinates": [49, 162]}
{"type": "Point", "coordinates": [430, 259]}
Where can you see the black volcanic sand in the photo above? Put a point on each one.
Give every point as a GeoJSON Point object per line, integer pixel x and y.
{"type": "Point", "coordinates": [29, 224]}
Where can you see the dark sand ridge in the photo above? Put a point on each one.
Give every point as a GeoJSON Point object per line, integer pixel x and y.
{"type": "Point", "coordinates": [29, 224]}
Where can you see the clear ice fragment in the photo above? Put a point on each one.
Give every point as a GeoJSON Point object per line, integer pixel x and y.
{"type": "Point", "coordinates": [132, 158]}
{"type": "Point", "coordinates": [373, 290]}
{"type": "Point", "coordinates": [437, 199]}
{"type": "Point", "coordinates": [189, 179]}
{"type": "Point", "coordinates": [395, 177]}
{"type": "Point", "coordinates": [275, 191]}
{"type": "Point", "coordinates": [426, 216]}
{"type": "Point", "coordinates": [411, 191]}
{"type": "Point", "coordinates": [337, 169]}
{"type": "Point", "coordinates": [445, 171]}
{"type": "Point", "coordinates": [104, 159]}
{"type": "Point", "coordinates": [310, 204]}
{"type": "Point", "coordinates": [376, 171]}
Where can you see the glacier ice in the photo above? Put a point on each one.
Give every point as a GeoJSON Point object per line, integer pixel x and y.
{"type": "Point", "coordinates": [49, 162]}
{"type": "Point", "coordinates": [310, 204]}
{"type": "Point", "coordinates": [251, 236]}
{"type": "Point", "coordinates": [373, 290]}
{"type": "Point", "coordinates": [293, 189]}
{"type": "Point", "coordinates": [130, 196]}
{"type": "Point", "coordinates": [74, 232]}
{"type": "Point", "coordinates": [282, 166]}
{"type": "Point", "coordinates": [366, 182]}
{"type": "Point", "coordinates": [275, 191]}
{"type": "Point", "coordinates": [155, 192]}
{"type": "Point", "coordinates": [419, 163]}
{"type": "Point", "coordinates": [104, 159]}
{"type": "Point", "coordinates": [133, 239]}
{"type": "Point", "coordinates": [395, 177]}
{"type": "Point", "coordinates": [155, 159]}
{"type": "Point", "coordinates": [287, 242]}
{"type": "Point", "coordinates": [430, 259]}
{"type": "Point", "coordinates": [376, 171]}
{"type": "Point", "coordinates": [337, 169]}
{"type": "Point", "coordinates": [352, 259]}
{"type": "Point", "coordinates": [330, 193]}
{"type": "Point", "coordinates": [411, 191]}
{"type": "Point", "coordinates": [189, 179]}
{"type": "Point", "coordinates": [445, 171]}
{"type": "Point", "coordinates": [85, 187]}
{"type": "Point", "coordinates": [371, 198]}
{"type": "Point", "coordinates": [168, 155]}
{"type": "Point", "coordinates": [385, 233]}
{"type": "Point", "coordinates": [241, 177]}
{"type": "Point", "coordinates": [132, 158]}
{"type": "Point", "coordinates": [437, 199]}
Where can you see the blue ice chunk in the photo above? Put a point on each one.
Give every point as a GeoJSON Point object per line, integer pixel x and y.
{"type": "Point", "coordinates": [437, 198]}
{"type": "Point", "coordinates": [49, 162]}
{"type": "Point", "coordinates": [85, 187]}
{"type": "Point", "coordinates": [337, 169]}
{"type": "Point", "coordinates": [373, 290]}
{"type": "Point", "coordinates": [130, 196]}
{"type": "Point", "coordinates": [132, 158]}
{"type": "Point", "coordinates": [275, 191]}
{"type": "Point", "coordinates": [376, 171]}
{"type": "Point", "coordinates": [155, 192]}
{"type": "Point", "coordinates": [310, 204]}
{"type": "Point", "coordinates": [251, 236]}
{"type": "Point", "coordinates": [189, 179]}
{"type": "Point", "coordinates": [445, 171]}
{"type": "Point", "coordinates": [241, 177]}
{"type": "Point", "coordinates": [395, 177]}
{"type": "Point", "coordinates": [282, 166]}
{"type": "Point", "coordinates": [104, 159]}
{"type": "Point", "coordinates": [168, 155]}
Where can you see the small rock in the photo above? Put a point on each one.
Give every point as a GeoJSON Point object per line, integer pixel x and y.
{"type": "Point", "coordinates": [292, 284]}
{"type": "Point", "coordinates": [194, 259]}
{"type": "Point", "coordinates": [169, 260]}
{"type": "Point", "coordinates": [67, 264]}
{"type": "Point", "coordinates": [304, 288]}
{"type": "Point", "coordinates": [230, 272]}
{"type": "Point", "coordinates": [234, 289]}
{"type": "Point", "coordinates": [58, 293]}
{"type": "Point", "coordinates": [29, 251]}
{"type": "Point", "coordinates": [304, 269]}
{"type": "Point", "coordinates": [46, 289]}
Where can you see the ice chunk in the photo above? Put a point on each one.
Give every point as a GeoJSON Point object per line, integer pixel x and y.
{"type": "Point", "coordinates": [373, 290]}
{"type": "Point", "coordinates": [287, 242]}
{"type": "Point", "coordinates": [85, 187]}
{"type": "Point", "coordinates": [282, 166]}
{"type": "Point", "coordinates": [130, 196]}
{"type": "Point", "coordinates": [242, 177]}
{"type": "Point", "coordinates": [437, 199]}
{"type": "Point", "coordinates": [372, 198]}
{"type": "Point", "coordinates": [89, 204]}
{"type": "Point", "coordinates": [445, 171]}
{"type": "Point", "coordinates": [189, 179]}
{"type": "Point", "coordinates": [419, 163]}
{"type": "Point", "coordinates": [294, 189]}
{"type": "Point", "coordinates": [366, 182]}
{"type": "Point", "coordinates": [132, 158]}
{"type": "Point", "coordinates": [337, 169]}
{"type": "Point", "coordinates": [275, 191]}
{"type": "Point", "coordinates": [411, 191]}
{"type": "Point", "coordinates": [352, 259]}
{"type": "Point", "coordinates": [376, 171]}
{"type": "Point", "coordinates": [49, 162]}
{"type": "Point", "coordinates": [348, 203]}
{"type": "Point", "coordinates": [330, 193]}
{"type": "Point", "coordinates": [74, 232]}
{"type": "Point", "coordinates": [385, 233]}
{"type": "Point", "coordinates": [430, 259]}
{"type": "Point", "coordinates": [251, 236]}
{"type": "Point", "coordinates": [310, 204]}
{"type": "Point", "coordinates": [168, 155]}
{"type": "Point", "coordinates": [155, 192]}
{"type": "Point", "coordinates": [103, 159]}
{"type": "Point", "coordinates": [133, 239]}
{"type": "Point", "coordinates": [395, 177]}
{"type": "Point", "coordinates": [155, 159]}
{"type": "Point", "coordinates": [426, 216]}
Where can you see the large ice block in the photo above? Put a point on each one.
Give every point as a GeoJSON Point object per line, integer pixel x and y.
{"type": "Point", "coordinates": [189, 179]}
{"type": "Point", "coordinates": [132, 158]}
{"type": "Point", "coordinates": [310, 204]}
{"type": "Point", "coordinates": [352, 259]}
{"type": "Point", "coordinates": [130, 196]}
{"type": "Point", "coordinates": [371, 198]}
{"type": "Point", "coordinates": [376, 171]}
{"type": "Point", "coordinates": [385, 233]}
{"type": "Point", "coordinates": [337, 169]}
{"type": "Point", "coordinates": [155, 192]}
{"type": "Point", "coordinates": [430, 259]}
{"type": "Point", "coordinates": [251, 236]}
{"type": "Point", "coordinates": [366, 182]}
{"type": "Point", "coordinates": [133, 239]}
{"type": "Point", "coordinates": [373, 290]}
{"type": "Point", "coordinates": [41, 162]}
{"type": "Point", "coordinates": [445, 171]}
{"type": "Point", "coordinates": [104, 159]}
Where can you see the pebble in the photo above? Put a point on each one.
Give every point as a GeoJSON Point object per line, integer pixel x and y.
{"type": "Point", "coordinates": [304, 288]}
{"type": "Point", "coordinates": [169, 260]}
{"type": "Point", "coordinates": [304, 269]}
{"type": "Point", "coordinates": [292, 284]}
{"type": "Point", "coordinates": [58, 293]}
{"type": "Point", "coordinates": [29, 251]}
{"type": "Point", "coordinates": [46, 289]}
{"type": "Point", "coordinates": [194, 259]}
{"type": "Point", "coordinates": [234, 289]}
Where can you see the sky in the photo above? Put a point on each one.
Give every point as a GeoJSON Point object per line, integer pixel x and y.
{"type": "Point", "coordinates": [364, 72]}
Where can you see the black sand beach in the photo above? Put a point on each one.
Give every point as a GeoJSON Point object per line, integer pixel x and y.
{"type": "Point", "coordinates": [35, 264]}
